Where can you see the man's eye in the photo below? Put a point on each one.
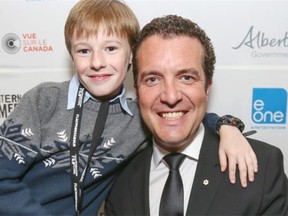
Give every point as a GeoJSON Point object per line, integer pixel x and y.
{"type": "Point", "coordinates": [152, 80]}
{"type": "Point", "coordinates": [187, 77]}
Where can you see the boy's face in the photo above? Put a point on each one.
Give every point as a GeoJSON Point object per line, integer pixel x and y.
{"type": "Point", "coordinates": [101, 62]}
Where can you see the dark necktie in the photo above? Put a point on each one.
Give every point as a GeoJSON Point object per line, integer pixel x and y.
{"type": "Point", "coordinates": [172, 200]}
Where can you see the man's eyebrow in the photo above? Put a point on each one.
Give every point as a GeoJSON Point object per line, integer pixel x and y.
{"type": "Point", "coordinates": [149, 73]}
{"type": "Point", "coordinates": [189, 70]}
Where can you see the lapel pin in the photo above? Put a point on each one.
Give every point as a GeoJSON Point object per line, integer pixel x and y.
{"type": "Point", "coordinates": [205, 182]}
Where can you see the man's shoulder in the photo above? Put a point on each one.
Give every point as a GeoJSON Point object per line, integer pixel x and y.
{"type": "Point", "coordinates": [260, 146]}
{"type": "Point", "coordinates": [139, 161]}
{"type": "Point", "coordinates": [268, 155]}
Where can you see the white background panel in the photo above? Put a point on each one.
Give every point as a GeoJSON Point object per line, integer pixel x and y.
{"type": "Point", "coordinates": [40, 24]}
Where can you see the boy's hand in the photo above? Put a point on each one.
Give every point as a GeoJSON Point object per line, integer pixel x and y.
{"type": "Point", "coordinates": [235, 149]}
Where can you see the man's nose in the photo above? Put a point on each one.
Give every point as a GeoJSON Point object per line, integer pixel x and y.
{"type": "Point", "coordinates": [171, 93]}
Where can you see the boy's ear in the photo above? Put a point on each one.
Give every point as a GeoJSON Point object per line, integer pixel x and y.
{"type": "Point", "coordinates": [130, 60]}
{"type": "Point", "coordinates": [129, 67]}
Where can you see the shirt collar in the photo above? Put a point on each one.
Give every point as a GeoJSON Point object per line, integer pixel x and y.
{"type": "Point", "coordinates": [191, 151]}
{"type": "Point", "coordinates": [72, 94]}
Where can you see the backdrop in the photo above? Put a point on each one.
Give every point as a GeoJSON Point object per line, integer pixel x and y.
{"type": "Point", "coordinates": [250, 39]}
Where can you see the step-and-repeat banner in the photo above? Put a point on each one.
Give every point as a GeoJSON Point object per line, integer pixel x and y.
{"type": "Point", "coordinates": [250, 39]}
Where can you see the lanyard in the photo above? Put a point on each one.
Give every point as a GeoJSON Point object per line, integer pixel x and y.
{"type": "Point", "coordinates": [77, 179]}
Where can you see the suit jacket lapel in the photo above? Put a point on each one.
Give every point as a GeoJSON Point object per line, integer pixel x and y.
{"type": "Point", "coordinates": [207, 177]}
{"type": "Point", "coordinates": [140, 181]}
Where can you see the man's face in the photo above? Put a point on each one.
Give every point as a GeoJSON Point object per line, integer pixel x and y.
{"type": "Point", "coordinates": [101, 62]}
{"type": "Point", "coordinates": [171, 89]}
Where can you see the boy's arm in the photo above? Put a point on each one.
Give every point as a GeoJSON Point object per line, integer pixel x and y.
{"type": "Point", "coordinates": [15, 197]}
{"type": "Point", "coordinates": [235, 148]}
{"type": "Point", "coordinates": [16, 157]}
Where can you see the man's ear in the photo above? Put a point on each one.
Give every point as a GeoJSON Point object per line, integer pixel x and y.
{"type": "Point", "coordinates": [209, 85]}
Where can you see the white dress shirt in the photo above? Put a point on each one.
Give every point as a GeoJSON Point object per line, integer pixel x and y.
{"type": "Point", "coordinates": [159, 171]}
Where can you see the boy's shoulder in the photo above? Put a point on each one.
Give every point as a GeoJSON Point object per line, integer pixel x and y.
{"type": "Point", "coordinates": [133, 104]}
{"type": "Point", "coordinates": [47, 93]}
{"type": "Point", "coordinates": [50, 85]}
{"type": "Point", "coordinates": [47, 88]}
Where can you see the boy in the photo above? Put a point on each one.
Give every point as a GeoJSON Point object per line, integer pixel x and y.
{"type": "Point", "coordinates": [51, 159]}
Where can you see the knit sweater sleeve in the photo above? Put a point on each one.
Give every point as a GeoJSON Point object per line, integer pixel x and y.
{"type": "Point", "coordinates": [210, 120]}
{"type": "Point", "coordinates": [20, 139]}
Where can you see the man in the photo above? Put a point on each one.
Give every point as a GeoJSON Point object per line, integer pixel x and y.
{"type": "Point", "coordinates": [173, 68]}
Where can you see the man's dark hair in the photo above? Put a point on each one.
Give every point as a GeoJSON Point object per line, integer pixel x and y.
{"type": "Point", "coordinates": [172, 26]}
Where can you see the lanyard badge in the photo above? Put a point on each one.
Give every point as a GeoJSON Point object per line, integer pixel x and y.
{"type": "Point", "coordinates": [77, 178]}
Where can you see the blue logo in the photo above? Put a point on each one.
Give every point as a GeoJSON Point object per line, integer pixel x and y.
{"type": "Point", "coordinates": [269, 105]}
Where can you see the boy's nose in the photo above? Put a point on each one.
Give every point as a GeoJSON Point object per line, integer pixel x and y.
{"type": "Point", "coordinates": [98, 61]}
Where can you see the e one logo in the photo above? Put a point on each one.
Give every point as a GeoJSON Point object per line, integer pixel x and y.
{"type": "Point", "coordinates": [269, 106]}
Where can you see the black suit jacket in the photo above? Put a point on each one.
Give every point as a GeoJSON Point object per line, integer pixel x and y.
{"type": "Point", "coordinates": [267, 195]}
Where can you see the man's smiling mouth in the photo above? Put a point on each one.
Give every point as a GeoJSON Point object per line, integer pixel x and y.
{"type": "Point", "coordinates": [172, 115]}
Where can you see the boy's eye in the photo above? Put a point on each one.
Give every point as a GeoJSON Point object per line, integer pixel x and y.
{"type": "Point", "coordinates": [83, 51]}
{"type": "Point", "coordinates": [111, 48]}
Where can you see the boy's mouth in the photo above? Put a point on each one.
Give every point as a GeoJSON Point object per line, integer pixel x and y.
{"type": "Point", "coordinates": [100, 77]}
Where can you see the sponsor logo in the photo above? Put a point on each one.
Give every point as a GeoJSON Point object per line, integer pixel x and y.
{"type": "Point", "coordinates": [258, 41]}
{"type": "Point", "coordinates": [11, 43]}
{"type": "Point", "coordinates": [269, 106]}
{"type": "Point", "coordinates": [26, 42]}
{"type": "Point", "coordinates": [7, 103]}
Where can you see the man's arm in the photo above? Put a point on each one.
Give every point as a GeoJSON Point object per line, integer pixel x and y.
{"type": "Point", "coordinates": [275, 198]}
